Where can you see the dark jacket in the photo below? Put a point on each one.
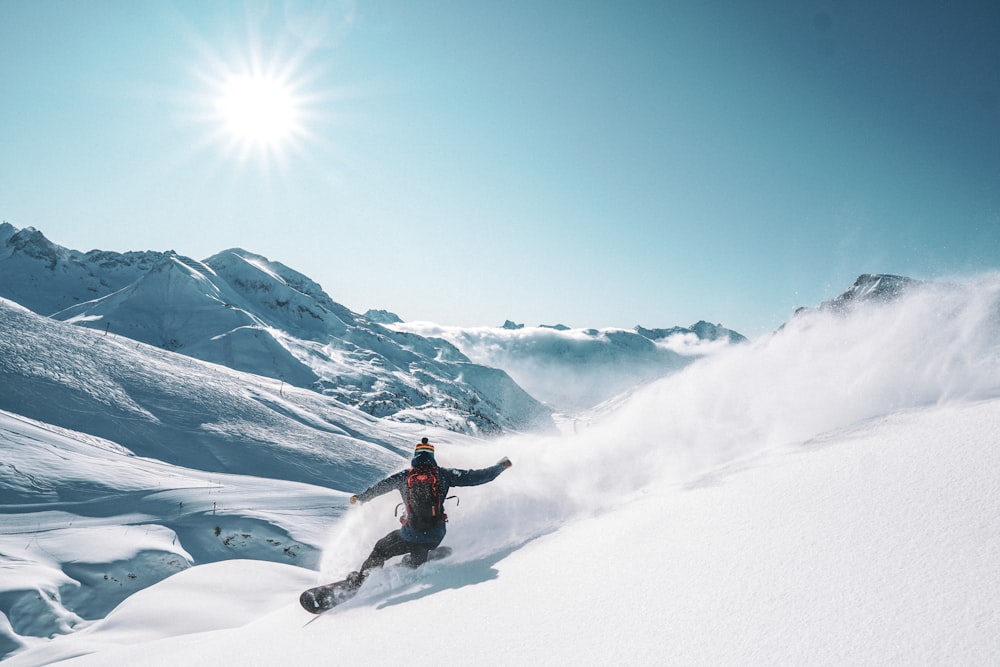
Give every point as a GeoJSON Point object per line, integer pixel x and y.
{"type": "Point", "coordinates": [447, 478]}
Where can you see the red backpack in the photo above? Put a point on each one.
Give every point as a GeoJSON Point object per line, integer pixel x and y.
{"type": "Point", "coordinates": [424, 506]}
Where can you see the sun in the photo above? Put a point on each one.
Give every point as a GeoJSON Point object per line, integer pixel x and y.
{"type": "Point", "coordinates": [258, 111]}
{"type": "Point", "coordinates": [266, 99]}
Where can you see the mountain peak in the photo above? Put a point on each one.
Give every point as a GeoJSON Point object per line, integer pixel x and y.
{"type": "Point", "coordinates": [32, 243]}
{"type": "Point", "coordinates": [880, 287]}
{"type": "Point", "coordinates": [383, 316]}
{"type": "Point", "coordinates": [7, 231]}
{"type": "Point", "coordinates": [869, 287]}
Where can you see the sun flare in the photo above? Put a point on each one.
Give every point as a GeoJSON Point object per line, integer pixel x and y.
{"type": "Point", "coordinates": [258, 111]}
{"type": "Point", "coordinates": [259, 103]}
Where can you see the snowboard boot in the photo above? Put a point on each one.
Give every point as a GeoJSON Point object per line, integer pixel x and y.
{"type": "Point", "coordinates": [355, 579]}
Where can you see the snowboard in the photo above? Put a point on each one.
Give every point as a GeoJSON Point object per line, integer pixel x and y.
{"type": "Point", "coordinates": [321, 598]}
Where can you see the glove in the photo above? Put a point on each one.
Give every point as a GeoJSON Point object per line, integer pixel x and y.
{"type": "Point", "coordinates": [354, 500]}
{"type": "Point", "coordinates": [505, 462]}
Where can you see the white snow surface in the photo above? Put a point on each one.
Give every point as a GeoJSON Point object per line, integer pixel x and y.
{"type": "Point", "coordinates": [825, 495]}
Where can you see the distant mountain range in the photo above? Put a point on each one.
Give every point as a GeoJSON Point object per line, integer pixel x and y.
{"type": "Point", "coordinates": [249, 313]}
{"type": "Point", "coordinates": [573, 370]}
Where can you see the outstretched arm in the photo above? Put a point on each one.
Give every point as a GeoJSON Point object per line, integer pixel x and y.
{"type": "Point", "coordinates": [388, 484]}
{"type": "Point", "coordinates": [477, 477]}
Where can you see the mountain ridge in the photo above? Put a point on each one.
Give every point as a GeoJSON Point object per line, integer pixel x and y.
{"type": "Point", "coordinates": [244, 311]}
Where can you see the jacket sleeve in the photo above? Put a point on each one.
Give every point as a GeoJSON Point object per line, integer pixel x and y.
{"type": "Point", "coordinates": [473, 477]}
{"type": "Point", "coordinates": [388, 484]}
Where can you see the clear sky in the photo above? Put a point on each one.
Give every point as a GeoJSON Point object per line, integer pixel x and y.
{"type": "Point", "coordinates": [566, 161]}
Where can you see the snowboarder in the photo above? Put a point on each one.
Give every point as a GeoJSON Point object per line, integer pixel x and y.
{"type": "Point", "coordinates": [424, 487]}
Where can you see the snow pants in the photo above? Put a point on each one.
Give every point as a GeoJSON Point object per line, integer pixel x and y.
{"type": "Point", "coordinates": [394, 544]}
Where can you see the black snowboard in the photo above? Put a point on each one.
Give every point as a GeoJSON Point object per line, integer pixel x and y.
{"type": "Point", "coordinates": [321, 598]}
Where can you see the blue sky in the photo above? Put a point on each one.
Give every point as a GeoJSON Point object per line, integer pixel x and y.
{"type": "Point", "coordinates": [588, 163]}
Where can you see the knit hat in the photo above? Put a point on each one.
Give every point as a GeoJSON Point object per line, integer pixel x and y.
{"type": "Point", "coordinates": [423, 454]}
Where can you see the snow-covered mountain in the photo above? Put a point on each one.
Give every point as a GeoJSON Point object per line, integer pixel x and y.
{"type": "Point", "coordinates": [246, 312]}
{"type": "Point", "coordinates": [825, 495]}
{"type": "Point", "coordinates": [881, 287]}
{"type": "Point", "coordinates": [243, 311]}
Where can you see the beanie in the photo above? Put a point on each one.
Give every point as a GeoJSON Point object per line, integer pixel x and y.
{"type": "Point", "coordinates": [423, 454]}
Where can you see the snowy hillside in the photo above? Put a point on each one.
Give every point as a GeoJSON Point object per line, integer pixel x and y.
{"type": "Point", "coordinates": [184, 411]}
{"type": "Point", "coordinates": [825, 495]}
{"type": "Point", "coordinates": [243, 311]}
{"type": "Point", "coordinates": [122, 463]}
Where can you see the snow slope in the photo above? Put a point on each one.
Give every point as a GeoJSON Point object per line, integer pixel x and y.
{"type": "Point", "coordinates": [873, 546]}
{"type": "Point", "coordinates": [184, 411]}
{"type": "Point", "coordinates": [826, 495]}
{"type": "Point", "coordinates": [122, 464]}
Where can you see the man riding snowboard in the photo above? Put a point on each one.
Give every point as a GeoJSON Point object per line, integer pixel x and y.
{"type": "Point", "coordinates": [424, 487]}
